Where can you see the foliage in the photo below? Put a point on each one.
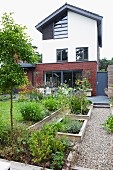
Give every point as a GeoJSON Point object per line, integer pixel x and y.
{"type": "Point", "coordinates": [62, 97]}
{"type": "Point", "coordinates": [108, 124]}
{"type": "Point", "coordinates": [31, 94]}
{"type": "Point", "coordinates": [4, 132]}
{"type": "Point", "coordinates": [45, 147]}
{"type": "Point", "coordinates": [33, 111]}
{"type": "Point", "coordinates": [78, 104]}
{"type": "Point", "coordinates": [103, 64]}
{"type": "Point", "coordinates": [83, 84]}
{"type": "Point", "coordinates": [50, 103]}
{"type": "Point", "coordinates": [6, 97]}
{"type": "Point", "coordinates": [15, 148]}
{"type": "Point", "coordinates": [70, 126]}
{"type": "Point", "coordinates": [34, 94]}
{"type": "Point", "coordinates": [15, 45]}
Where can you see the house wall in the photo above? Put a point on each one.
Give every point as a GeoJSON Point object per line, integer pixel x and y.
{"type": "Point", "coordinates": [92, 66]}
{"type": "Point", "coordinates": [82, 32]}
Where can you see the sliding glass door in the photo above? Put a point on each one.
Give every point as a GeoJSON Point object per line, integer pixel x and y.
{"type": "Point", "coordinates": [58, 78]}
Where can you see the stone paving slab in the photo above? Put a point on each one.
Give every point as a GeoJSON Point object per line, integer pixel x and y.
{"type": "Point", "coordinates": [21, 166]}
{"type": "Point", "coordinates": [99, 99]}
{"type": "Point", "coordinates": [80, 168]}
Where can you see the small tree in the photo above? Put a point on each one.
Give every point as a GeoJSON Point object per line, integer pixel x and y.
{"type": "Point", "coordinates": [15, 45]}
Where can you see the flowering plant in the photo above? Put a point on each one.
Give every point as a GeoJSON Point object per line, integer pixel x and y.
{"type": "Point", "coordinates": [83, 84]}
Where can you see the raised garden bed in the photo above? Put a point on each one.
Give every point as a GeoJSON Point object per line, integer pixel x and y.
{"type": "Point", "coordinates": [75, 137]}
{"type": "Point", "coordinates": [81, 116]}
{"type": "Point", "coordinates": [48, 119]}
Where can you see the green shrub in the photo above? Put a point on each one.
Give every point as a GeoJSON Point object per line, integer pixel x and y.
{"type": "Point", "coordinates": [33, 111]}
{"type": "Point", "coordinates": [70, 126]}
{"type": "Point", "coordinates": [45, 147]}
{"type": "Point", "coordinates": [51, 103]}
{"type": "Point", "coordinates": [22, 98]}
{"type": "Point", "coordinates": [35, 95]}
{"type": "Point", "coordinates": [14, 143]}
{"type": "Point", "coordinates": [78, 104]}
{"type": "Point", "coordinates": [108, 125]}
{"type": "Point", "coordinates": [4, 133]}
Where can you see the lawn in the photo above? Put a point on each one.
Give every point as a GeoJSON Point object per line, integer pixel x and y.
{"type": "Point", "coordinates": [5, 111]}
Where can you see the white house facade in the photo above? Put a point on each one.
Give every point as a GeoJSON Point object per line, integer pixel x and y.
{"type": "Point", "coordinates": [71, 38]}
{"type": "Point", "coordinates": [82, 32]}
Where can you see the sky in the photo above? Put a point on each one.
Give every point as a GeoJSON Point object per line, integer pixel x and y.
{"type": "Point", "coordinates": [30, 12]}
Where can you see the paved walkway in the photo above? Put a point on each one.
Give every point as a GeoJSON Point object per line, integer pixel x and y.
{"type": "Point", "coordinates": [96, 149]}
{"type": "Point", "coordinates": [99, 99]}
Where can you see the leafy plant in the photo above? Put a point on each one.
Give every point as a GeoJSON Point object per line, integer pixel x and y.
{"type": "Point", "coordinates": [78, 104]}
{"type": "Point", "coordinates": [108, 125]}
{"type": "Point", "coordinates": [70, 126]}
{"type": "Point", "coordinates": [4, 132]}
{"type": "Point", "coordinates": [15, 45]}
{"type": "Point", "coordinates": [14, 143]}
{"type": "Point", "coordinates": [33, 111]}
{"type": "Point", "coordinates": [46, 148]}
{"type": "Point", "coordinates": [83, 84]}
{"type": "Point", "coordinates": [51, 103]}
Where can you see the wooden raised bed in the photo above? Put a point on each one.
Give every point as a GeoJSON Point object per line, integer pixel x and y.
{"type": "Point", "coordinates": [87, 116]}
{"type": "Point", "coordinates": [48, 119]}
{"type": "Point", "coordinates": [75, 137]}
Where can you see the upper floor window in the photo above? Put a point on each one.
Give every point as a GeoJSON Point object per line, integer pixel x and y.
{"type": "Point", "coordinates": [82, 54]}
{"type": "Point", "coordinates": [61, 27]}
{"type": "Point", "coordinates": [62, 55]}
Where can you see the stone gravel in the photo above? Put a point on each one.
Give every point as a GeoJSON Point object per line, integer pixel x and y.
{"type": "Point", "coordinates": [96, 149]}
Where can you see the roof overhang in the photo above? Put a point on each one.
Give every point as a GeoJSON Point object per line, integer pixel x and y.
{"type": "Point", "coordinates": [27, 65]}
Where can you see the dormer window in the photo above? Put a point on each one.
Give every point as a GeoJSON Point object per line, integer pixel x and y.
{"type": "Point", "coordinates": [61, 27]}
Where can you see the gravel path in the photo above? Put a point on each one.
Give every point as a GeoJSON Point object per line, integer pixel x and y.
{"type": "Point", "coordinates": [96, 149]}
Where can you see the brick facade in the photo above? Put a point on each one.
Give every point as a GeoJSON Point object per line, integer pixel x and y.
{"type": "Point", "coordinates": [84, 66]}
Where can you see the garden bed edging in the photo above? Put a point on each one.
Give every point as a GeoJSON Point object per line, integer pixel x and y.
{"type": "Point", "coordinates": [88, 116]}
{"type": "Point", "coordinates": [47, 119]}
{"type": "Point", "coordinates": [75, 137]}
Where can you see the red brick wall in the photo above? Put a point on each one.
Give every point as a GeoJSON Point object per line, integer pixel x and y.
{"type": "Point", "coordinates": [92, 66]}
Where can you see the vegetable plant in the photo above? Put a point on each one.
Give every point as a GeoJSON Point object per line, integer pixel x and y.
{"type": "Point", "coordinates": [70, 126]}
{"type": "Point", "coordinates": [78, 104]}
{"type": "Point", "coordinates": [108, 124]}
{"type": "Point", "coordinates": [50, 103]}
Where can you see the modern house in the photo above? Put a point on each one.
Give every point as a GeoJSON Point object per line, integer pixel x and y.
{"type": "Point", "coordinates": [71, 39]}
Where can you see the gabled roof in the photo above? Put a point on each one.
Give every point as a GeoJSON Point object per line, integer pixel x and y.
{"type": "Point", "coordinates": [77, 10]}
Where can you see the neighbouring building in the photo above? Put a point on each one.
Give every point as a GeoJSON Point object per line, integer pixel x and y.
{"type": "Point", "coordinates": [71, 39]}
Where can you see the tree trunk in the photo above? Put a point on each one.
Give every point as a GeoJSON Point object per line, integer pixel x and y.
{"type": "Point", "coordinates": [11, 108]}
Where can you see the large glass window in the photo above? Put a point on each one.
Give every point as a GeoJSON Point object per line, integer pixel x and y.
{"type": "Point", "coordinates": [56, 78]}
{"type": "Point", "coordinates": [82, 54]}
{"type": "Point", "coordinates": [62, 55]}
{"type": "Point", "coordinates": [61, 27]}
{"type": "Point", "coordinates": [67, 78]}
{"type": "Point", "coordinates": [49, 78]}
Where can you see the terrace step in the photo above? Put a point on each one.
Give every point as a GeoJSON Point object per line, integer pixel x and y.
{"type": "Point", "coordinates": [101, 105]}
